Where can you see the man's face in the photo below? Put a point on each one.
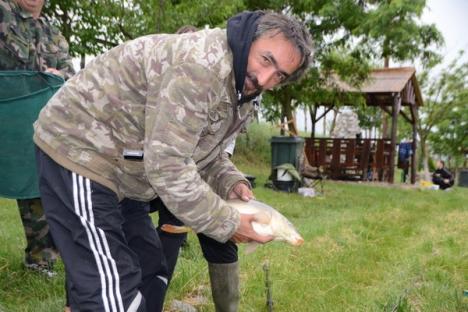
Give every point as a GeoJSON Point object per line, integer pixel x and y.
{"type": "Point", "coordinates": [32, 6]}
{"type": "Point", "coordinates": [271, 60]}
{"type": "Point", "coordinates": [439, 165]}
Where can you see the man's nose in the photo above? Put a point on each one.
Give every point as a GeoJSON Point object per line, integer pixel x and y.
{"type": "Point", "coordinates": [265, 78]}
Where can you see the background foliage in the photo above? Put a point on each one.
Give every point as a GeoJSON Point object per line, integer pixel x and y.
{"type": "Point", "coordinates": [350, 37]}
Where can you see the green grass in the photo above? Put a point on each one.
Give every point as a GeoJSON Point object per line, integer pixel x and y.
{"type": "Point", "coordinates": [367, 248]}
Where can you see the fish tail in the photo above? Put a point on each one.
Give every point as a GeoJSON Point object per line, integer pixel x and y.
{"type": "Point", "coordinates": [175, 229]}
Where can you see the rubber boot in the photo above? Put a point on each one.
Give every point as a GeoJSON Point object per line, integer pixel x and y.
{"type": "Point", "coordinates": [224, 278]}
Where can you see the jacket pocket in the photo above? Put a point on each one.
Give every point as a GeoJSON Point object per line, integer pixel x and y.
{"type": "Point", "coordinates": [49, 54]}
{"type": "Point", "coordinates": [17, 45]}
{"type": "Point", "coordinates": [132, 179]}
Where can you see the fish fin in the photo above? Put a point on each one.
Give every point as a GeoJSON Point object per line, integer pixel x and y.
{"type": "Point", "coordinates": [169, 228]}
{"type": "Point", "coordinates": [251, 247]}
{"type": "Point", "coordinates": [262, 217]}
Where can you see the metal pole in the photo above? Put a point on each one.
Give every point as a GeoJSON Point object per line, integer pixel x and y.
{"type": "Point", "coordinates": [269, 301]}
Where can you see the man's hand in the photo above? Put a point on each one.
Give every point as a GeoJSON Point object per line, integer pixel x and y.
{"type": "Point", "coordinates": [53, 71]}
{"type": "Point", "coordinates": [245, 233]}
{"type": "Point", "coordinates": [241, 191]}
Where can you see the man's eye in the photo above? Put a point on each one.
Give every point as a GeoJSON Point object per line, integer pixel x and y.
{"type": "Point", "coordinates": [280, 77]}
{"type": "Point", "coordinates": [265, 60]}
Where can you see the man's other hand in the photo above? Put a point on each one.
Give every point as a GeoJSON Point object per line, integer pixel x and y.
{"type": "Point", "coordinates": [245, 233]}
{"type": "Point", "coordinates": [53, 71]}
{"type": "Point", "coordinates": [241, 191]}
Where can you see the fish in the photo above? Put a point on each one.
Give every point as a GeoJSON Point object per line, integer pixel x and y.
{"type": "Point", "coordinates": [270, 222]}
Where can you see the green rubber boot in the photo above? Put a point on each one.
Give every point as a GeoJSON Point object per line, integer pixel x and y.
{"type": "Point", "coordinates": [224, 278]}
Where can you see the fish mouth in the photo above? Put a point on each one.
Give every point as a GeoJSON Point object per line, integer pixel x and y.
{"type": "Point", "coordinates": [298, 242]}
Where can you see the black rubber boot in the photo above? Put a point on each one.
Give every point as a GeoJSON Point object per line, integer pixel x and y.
{"type": "Point", "coordinates": [224, 278]}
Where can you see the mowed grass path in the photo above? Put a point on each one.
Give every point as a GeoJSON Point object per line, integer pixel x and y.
{"type": "Point", "coordinates": [367, 248]}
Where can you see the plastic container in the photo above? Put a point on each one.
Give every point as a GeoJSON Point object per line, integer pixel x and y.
{"type": "Point", "coordinates": [286, 149]}
{"type": "Point", "coordinates": [463, 178]}
{"type": "Point", "coordinates": [283, 175]}
{"type": "Point", "coordinates": [285, 186]}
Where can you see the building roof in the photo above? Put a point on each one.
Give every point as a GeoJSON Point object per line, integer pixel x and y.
{"type": "Point", "coordinates": [382, 83]}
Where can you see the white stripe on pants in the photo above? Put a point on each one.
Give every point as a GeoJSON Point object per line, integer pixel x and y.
{"type": "Point", "coordinates": [110, 281]}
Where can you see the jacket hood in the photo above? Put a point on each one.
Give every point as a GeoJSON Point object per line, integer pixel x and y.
{"type": "Point", "coordinates": [241, 29]}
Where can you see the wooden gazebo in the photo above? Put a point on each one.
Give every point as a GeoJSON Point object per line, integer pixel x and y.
{"type": "Point", "coordinates": [391, 89]}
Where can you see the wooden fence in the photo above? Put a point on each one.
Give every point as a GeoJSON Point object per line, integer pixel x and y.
{"type": "Point", "coordinates": [363, 159]}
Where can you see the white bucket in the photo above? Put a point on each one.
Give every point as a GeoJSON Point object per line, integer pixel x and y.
{"type": "Point", "coordinates": [283, 175]}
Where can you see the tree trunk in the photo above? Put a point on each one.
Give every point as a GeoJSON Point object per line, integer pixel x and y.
{"type": "Point", "coordinates": [384, 125]}
{"type": "Point", "coordinates": [287, 111]}
{"type": "Point", "coordinates": [83, 61]}
{"type": "Point", "coordinates": [335, 115]}
{"type": "Point", "coordinates": [313, 120]}
{"type": "Point", "coordinates": [425, 158]}
{"type": "Point", "coordinates": [325, 125]}
{"type": "Point", "coordinates": [160, 16]}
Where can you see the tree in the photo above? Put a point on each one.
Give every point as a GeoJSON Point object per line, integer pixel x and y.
{"type": "Point", "coordinates": [450, 137]}
{"type": "Point", "coordinates": [369, 118]}
{"type": "Point", "coordinates": [332, 56]}
{"type": "Point", "coordinates": [92, 27]}
{"type": "Point", "coordinates": [393, 29]}
{"type": "Point", "coordinates": [348, 35]}
{"type": "Point", "coordinates": [446, 98]}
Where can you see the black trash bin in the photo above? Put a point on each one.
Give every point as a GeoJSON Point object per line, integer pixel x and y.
{"type": "Point", "coordinates": [285, 149]}
{"type": "Point", "coordinates": [463, 178]}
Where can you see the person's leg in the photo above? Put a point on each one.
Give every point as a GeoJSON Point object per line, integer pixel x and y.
{"type": "Point", "coordinates": [224, 273]}
{"type": "Point", "coordinates": [85, 221]}
{"type": "Point", "coordinates": [143, 239]}
{"type": "Point", "coordinates": [40, 251]}
{"type": "Point", "coordinates": [405, 172]}
{"type": "Point", "coordinates": [171, 242]}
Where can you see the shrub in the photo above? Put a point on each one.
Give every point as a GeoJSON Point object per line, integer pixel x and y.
{"type": "Point", "coordinates": [254, 146]}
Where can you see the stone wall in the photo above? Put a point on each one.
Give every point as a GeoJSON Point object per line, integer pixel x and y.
{"type": "Point", "coordinates": [347, 125]}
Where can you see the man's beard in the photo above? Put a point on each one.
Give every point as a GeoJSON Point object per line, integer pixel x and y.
{"type": "Point", "coordinates": [257, 88]}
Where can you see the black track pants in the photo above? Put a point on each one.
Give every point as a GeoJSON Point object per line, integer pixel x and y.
{"type": "Point", "coordinates": [213, 251]}
{"type": "Point", "coordinates": [93, 233]}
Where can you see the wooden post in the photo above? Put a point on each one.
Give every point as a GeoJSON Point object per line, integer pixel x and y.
{"type": "Point", "coordinates": [395, 111]}
{"type": "Point", "coordinates": [335, 161]}
{"type": "Point", "coordinates": [414, 159]}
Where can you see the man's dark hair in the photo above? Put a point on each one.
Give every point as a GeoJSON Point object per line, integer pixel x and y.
{"type": "Point", "coordinates": [271, 24]}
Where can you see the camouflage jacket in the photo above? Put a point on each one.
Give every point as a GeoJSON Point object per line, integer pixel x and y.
{"type": "Point", "coordinates": [31, 44]}
{"type": "Point", "coordinates": [170, 96]}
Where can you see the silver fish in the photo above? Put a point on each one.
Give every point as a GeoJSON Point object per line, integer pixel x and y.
{"type": "Point", "coordinates": [271, 222]}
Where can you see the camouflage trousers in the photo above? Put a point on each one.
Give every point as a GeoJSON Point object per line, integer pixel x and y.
{"type": "Point", "coordinates": [40, 249]}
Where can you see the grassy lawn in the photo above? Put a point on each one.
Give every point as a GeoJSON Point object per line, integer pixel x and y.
{"type": "Point", "coordinates": [367, 248]}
